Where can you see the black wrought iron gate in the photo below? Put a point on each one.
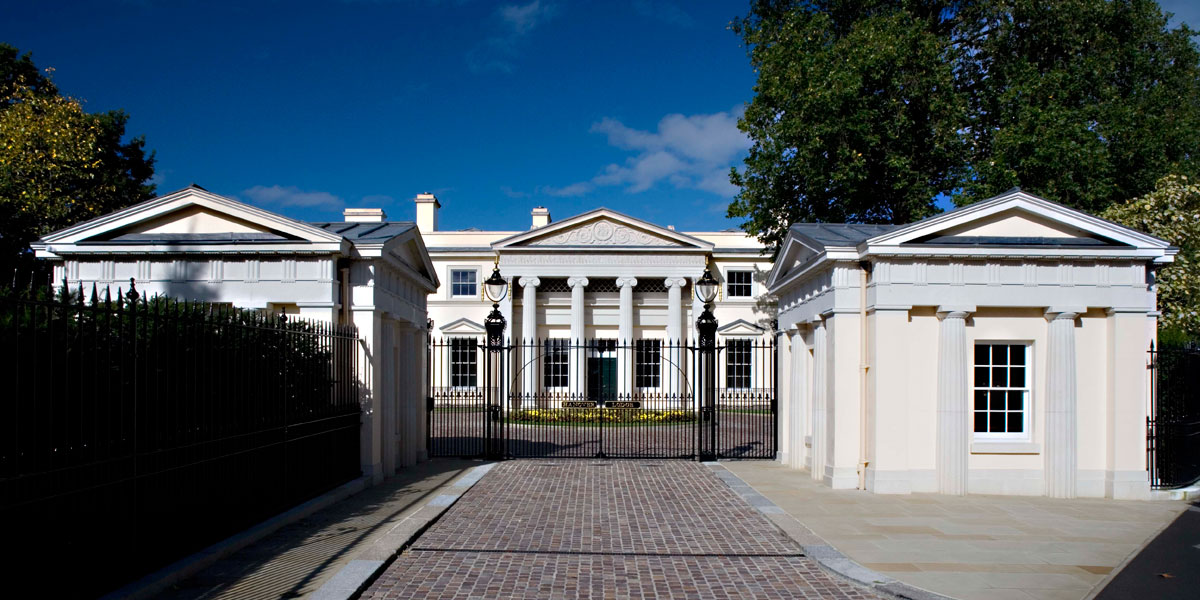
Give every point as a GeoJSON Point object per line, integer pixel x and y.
{"type": "Point", "coordinates": [601, 398]}
{"type": "Point", "coordinates": [1173, 425]}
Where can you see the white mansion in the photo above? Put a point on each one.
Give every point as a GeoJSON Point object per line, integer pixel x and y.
{"type": "Point", "coordinates": [998, 348]}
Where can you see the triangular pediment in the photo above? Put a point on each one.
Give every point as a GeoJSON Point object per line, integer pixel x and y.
{"type": "Point", "coordinates": [1016, 219]}
{"type": "Point", "coordinates": [603, 229]}
{"type": "Point", "coordinates": [408, 252]}
{"type": "Point", "coordinates": [191, 216]}
{"type": "Point", "coordinates": [462, 326]}
{"type": "Point", "coordinates": [740, 327]}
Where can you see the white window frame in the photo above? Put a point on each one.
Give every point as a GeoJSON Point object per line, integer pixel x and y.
{"type": "Point", "coordinates": [1027, 390]}
{"type": "Point", "coordinates": [637, 363]}
{"type": "Point", "coordinates": [473, 340]}
{"type": "Point", "coordinates": [562, 348]}
{"type": "Point", "coordinates": [749, 365]}
{"type": "Point", "coordinates": [472, 296]}
{"type": "Point", "coordinates": [728, 282]}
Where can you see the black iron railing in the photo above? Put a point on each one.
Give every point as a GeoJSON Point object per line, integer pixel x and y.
{"type": "Point", "coordinates": [1173, 425]}
{"type": "Point", "coordinates": [137, 431]}
{"type": "Point", "coordinates": [601, 398]}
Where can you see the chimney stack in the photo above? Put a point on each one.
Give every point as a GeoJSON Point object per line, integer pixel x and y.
{"type": "Point", "coordinates": [427, 210]}
{"type": "Point", "coordinates": [541, 217]}
{"type": "Point", "coordinates": [364, 215]}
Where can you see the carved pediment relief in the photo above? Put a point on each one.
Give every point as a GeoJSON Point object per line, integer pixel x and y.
{"type": "Point", "coordinates": [602, 232]}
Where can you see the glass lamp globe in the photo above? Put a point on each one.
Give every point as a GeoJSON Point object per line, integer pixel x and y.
{"type": "Point", "coordinates": [706, 287]}
{"type": "Point", "coordinates": [495, 287]}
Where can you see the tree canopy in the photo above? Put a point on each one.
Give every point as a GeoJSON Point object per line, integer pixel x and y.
{"type": "Point", "coordinates": [1172, 212]}
{"type": "Point", "coordinates": [59, 164]}
{"type": "Point", "coordinates": [868, 111]}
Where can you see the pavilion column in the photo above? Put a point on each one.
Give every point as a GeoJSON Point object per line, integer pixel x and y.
{"type": "Point", "coordinates": [819, 393]}
{"type": "Point", "coordinates": [528, 337]}
{"type": "Point", "coordinates": [578, 357]}
{"type": "Point", "coordinates": [625, 336]}
{"type": "Point", "coordinates": [1061, 389]}
{"type": "Point", "coordinates": [402, 374]}
{"type": "Point", "coordinates": [389, 405]}
{"type": "Point", "coordinates": [799, 399]}
{"type": "Point", "coordinates": [953, 434]}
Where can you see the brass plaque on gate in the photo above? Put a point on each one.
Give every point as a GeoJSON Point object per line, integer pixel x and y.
{"type": "Point", "coordinates": [578, 404]}
{"type": "Point", "coordinates": [623, 404]}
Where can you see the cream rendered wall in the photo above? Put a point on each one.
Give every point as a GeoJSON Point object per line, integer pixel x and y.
{"type": "Point", "coordinates": [890, 401]}
{"type": "Point", "coordinates": [991, 468]}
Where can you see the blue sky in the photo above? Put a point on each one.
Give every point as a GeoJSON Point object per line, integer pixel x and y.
{"type": "Point", "coordinates": [305, 108]}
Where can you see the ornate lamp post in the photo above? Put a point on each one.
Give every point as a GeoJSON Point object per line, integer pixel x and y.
{"type": "Point", "coordinates": [706, 326]}
{"type": "Point", "coordinates": [496, 288]}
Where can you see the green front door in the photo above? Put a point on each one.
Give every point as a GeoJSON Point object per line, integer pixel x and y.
{"type": "Point", "coordinates": [602, 378]}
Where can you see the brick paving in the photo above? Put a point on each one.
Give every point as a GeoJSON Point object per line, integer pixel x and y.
{"type": "Point", "coordinates": [741, 434]}
{"type": "Point", "coordinates": [605, 529]}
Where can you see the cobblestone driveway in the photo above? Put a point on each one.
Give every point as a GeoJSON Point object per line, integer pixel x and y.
{"type": "Point", "coordinates": [605, 529]}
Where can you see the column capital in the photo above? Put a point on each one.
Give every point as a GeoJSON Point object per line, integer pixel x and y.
{"type": "Point", "coordinates": [955, 311]}
{"type": "Point", "coordinates": [577, 281]}
{"type": "Point", "coordinates": [626, 282]}
{"type": "Point", "coordinates": [671, 282]}
{"type": "Point", "coordinates": [530, 281]}
{"type": "Point", "coordinates": [1054, 313]}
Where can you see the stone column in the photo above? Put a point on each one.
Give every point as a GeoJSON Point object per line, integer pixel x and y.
{"type": "Point", "coordinates": [406, 396]}
{"type": "Point", "coordinates": [673, 371]}
{"type": "Point", "coordinates": [1061, 427]}
{"type": "Point", "coordinates": [799, 398]}
{"type": "Point", "coordinates": [526, 356]}
{"type": "Point", "coordinates": [389, 405]}
{"type": "Point", "coordinates": [819, 392]}
{"type": "Point", "coordinates": [577, 358]}
{"type": "Point", "coordinates": [953, 435]}
{"type": "Point", "coordinates": [421, 390]}
{"type": "Point", "coordinates": [625, 336]}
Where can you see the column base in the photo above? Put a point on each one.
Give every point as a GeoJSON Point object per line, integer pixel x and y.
{"type": "Point", "coordinates": [1127, 485]}
{"type": "Point", "coordinates": [844, 478]}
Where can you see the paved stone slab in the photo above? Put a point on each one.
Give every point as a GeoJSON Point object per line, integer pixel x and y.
{"type": "Point", "coordinates": [590, 529]}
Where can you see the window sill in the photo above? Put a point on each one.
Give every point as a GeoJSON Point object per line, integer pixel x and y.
{"type": "Point", "coordinates": [1005, 448]}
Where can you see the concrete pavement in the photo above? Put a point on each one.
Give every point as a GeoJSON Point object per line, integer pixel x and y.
{"type": "Point", "coordinates": [971, 547]}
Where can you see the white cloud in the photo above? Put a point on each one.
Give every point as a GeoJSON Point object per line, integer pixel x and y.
{"type": "Point", "coordinates": [497, 53]}
{"type": "Point", "coordinates": [523, 19]}
{"type": "Point", "coordinates": [511, 193]}
{"type": "Point", "coordinates": [292, 196]}
{"type": "Point", "coordinates": [575, 189]}
{"type": "Point", "coordinates": [687, 152]}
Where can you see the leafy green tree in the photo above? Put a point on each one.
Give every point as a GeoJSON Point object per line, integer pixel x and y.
{"type": "Point", "coordinates": [1086, 102]}
{"type": "Point", "coordinates": [59, 164]}
{"type": "Point", "coordinates": [867, 111]}
{"type": "Point", "coordinates": [855, 115]}
{"type": "Point", "coordinates": [1171, 212]}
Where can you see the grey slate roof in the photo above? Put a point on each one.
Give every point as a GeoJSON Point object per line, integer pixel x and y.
{"type": "Point", "coordinates": [367, 232]}
{"type": "Point", "coordinates": [840, 234]}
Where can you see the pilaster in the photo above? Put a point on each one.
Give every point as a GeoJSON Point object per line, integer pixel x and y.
{"type": "Point", "coordinates": [1061, 423]}
{"type": "Point", "coordinates": [819, 391]}
{"type": "Point", "coordinates": [953, 438]}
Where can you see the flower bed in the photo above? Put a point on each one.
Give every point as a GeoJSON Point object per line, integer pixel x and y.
{"type": "Point", "coordinates": [640, 416]}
